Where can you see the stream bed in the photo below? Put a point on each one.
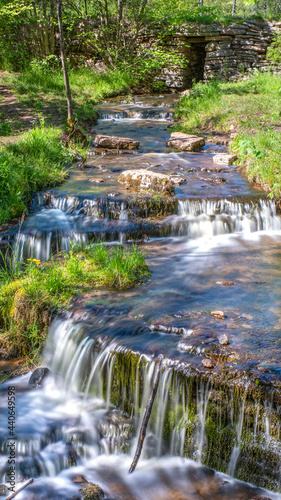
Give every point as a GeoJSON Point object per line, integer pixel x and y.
{"type": "Point", "coordinates": [214, 433]}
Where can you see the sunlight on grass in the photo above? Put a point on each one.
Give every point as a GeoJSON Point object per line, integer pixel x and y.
{"type": "Point", "coordinates": [37, 161]}
{"type": "Point", "coordinates": [30, 294]}
{"type": "Point", "coordinates": [252, 108]}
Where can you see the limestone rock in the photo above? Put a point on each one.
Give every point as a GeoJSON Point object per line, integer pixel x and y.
{"type": "Point", "coordinates": [207, 363]}
{"type": "Point", "coordinates": [185, 142]}
{"type": "Point", "coordinates": [226, 159]}
{"type": "Point", "coordinates": [146, 179]}
{"type": "Point", "coordinates": [114, 142]}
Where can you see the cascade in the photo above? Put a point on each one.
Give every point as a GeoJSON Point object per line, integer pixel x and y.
{"type": "Point", "coordinates": [86, 417]}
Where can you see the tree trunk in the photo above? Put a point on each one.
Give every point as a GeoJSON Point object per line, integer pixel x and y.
{"type": "Point", "coordinates": [64, 68]}
{"type": "Point", "coordinates": [200, 3]}
{"type": "Point", "coordinates": [233, 8]}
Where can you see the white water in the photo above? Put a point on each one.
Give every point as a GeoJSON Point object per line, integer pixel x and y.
{"type": "Point", "coordinates": [208, 218]}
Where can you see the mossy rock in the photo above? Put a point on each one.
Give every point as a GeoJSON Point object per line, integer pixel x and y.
{"type": "Point", "coordinates": [92, 491]}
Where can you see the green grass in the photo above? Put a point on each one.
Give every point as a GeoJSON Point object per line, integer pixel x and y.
{"type": "Point", "coordinates": [29, 295]}
{"type": "Point", "coordinates": [249, 107]}
{"type": "Point", "coordinates": [37, 161]}
{"type": "Point", "coordinates": [38, 84]}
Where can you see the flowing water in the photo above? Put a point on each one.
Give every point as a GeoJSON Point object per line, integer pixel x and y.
{"type": "Point", "coordinates": [216, 246]}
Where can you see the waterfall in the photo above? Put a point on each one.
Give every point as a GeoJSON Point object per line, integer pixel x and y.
{"type": "Point", "coordinates": [208, 218]}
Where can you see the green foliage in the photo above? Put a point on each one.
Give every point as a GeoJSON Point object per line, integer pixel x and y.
{"type": "Point", "coordinates": [107, 31]}
{"type": "Point", "coordinates": [37, 161]}
{"type": "Point", "coordinates": [273, 54]}
{"type": "Point", "coordinates": [30, 293]}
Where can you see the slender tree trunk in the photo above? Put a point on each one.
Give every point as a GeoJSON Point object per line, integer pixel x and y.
{"type": "Point", "coordinates": [233, 8]}
{"type": "Point", "coordinates": [64, 68]}
{"type": "Point", "coordinates": [147, 413]}
{"type": "Point", "coordinates": [200, 3]}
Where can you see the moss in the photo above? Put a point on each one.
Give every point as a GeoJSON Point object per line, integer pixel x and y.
{"type": "Point", "coordinates": [29, 295]}
{"type": "Point", "coordinates": [92, 492]}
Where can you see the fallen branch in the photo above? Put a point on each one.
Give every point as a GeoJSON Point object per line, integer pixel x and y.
{"type": "Point", "coordinates": [22, 487]}
{"type": "Point", "coordinates": [147, 413]}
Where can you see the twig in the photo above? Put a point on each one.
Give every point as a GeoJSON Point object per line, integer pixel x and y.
{"type": "Point", "coordinates": [147, 413]}
{"type": "Point", "coordinates": [22, 487]}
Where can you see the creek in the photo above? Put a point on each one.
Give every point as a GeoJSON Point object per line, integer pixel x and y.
{"type": "Point", "coordinates": [213, 433]}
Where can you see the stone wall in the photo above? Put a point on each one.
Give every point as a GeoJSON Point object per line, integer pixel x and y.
{"type": "Point", "coordinates": [213, 50]}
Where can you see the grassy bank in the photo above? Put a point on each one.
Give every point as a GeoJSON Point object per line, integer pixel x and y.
{"type": "Point", "coordinates": [30, 295]}
{"type": "Point", "coordinates": [249, 109]}
{"type": "Point", "coordinates": [37, 161]}
{"type": "Point", "coordinates": [41, 90]}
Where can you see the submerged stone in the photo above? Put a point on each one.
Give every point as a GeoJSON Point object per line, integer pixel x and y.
{"type": "Point", "coordinates": [97, 181]}
{"type": "Point", "coordinates": [223, 339]}
{"type": "Point", "coordinates": [207, 363]}
{"type": "Point", "coordinates": [171, 329]}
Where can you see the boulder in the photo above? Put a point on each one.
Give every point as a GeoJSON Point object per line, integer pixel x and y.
{"type": "Point", "coordinates": [114, 142]}
{"type": "Point", "coordinates": [224, 158]}
{"type": "Point", "coordinates": [185, 142]}
{"type": "Point", "coordinates": [146, 179]}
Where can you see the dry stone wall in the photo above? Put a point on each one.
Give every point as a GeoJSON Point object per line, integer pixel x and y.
{"type": "Point", "coordinates": [214, 51]}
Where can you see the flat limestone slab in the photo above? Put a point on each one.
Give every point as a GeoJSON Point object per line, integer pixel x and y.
{"type": "Point", "coordinates": [185, 142]}
{"type": "Point", "coordinates": [224, 158]}
{"type": "Point", "coordinates": [146, 179]}
{"type": "Point", "coordinates": [114, 142]}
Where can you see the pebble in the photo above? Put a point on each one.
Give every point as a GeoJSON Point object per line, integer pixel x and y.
{"type": "Point", "coordinates": [223, 339]}
{"type": "Point", "coordinates": [225, 283]}
{"type": "Point", "coordinates": [113, 195]}
{"type": "Point", "coordinates": [207, 363]}
{"type": "Point", "coordinates": [218, 314]}
{"type": "Point", "coordinates": [97, 181]}
{"type": "Point", "coordinates": [178, 180]}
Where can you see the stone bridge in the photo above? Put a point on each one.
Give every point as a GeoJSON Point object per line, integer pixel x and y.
{"type": "Point", "coordinates": [213, 50]}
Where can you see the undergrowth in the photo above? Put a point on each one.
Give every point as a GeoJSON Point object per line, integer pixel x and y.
{"type": "Point", "coordinates": [37, 161]}
{"type": "Point", "coordinates": [249, 108]}
{"type": "Point", "coordinates": [31, 293]}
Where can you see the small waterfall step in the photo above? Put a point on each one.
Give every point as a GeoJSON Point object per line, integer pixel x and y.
{"type": "Point", "coordinates": [209, 418]}
{"type": "Point", "coordinates": [70, 219]}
